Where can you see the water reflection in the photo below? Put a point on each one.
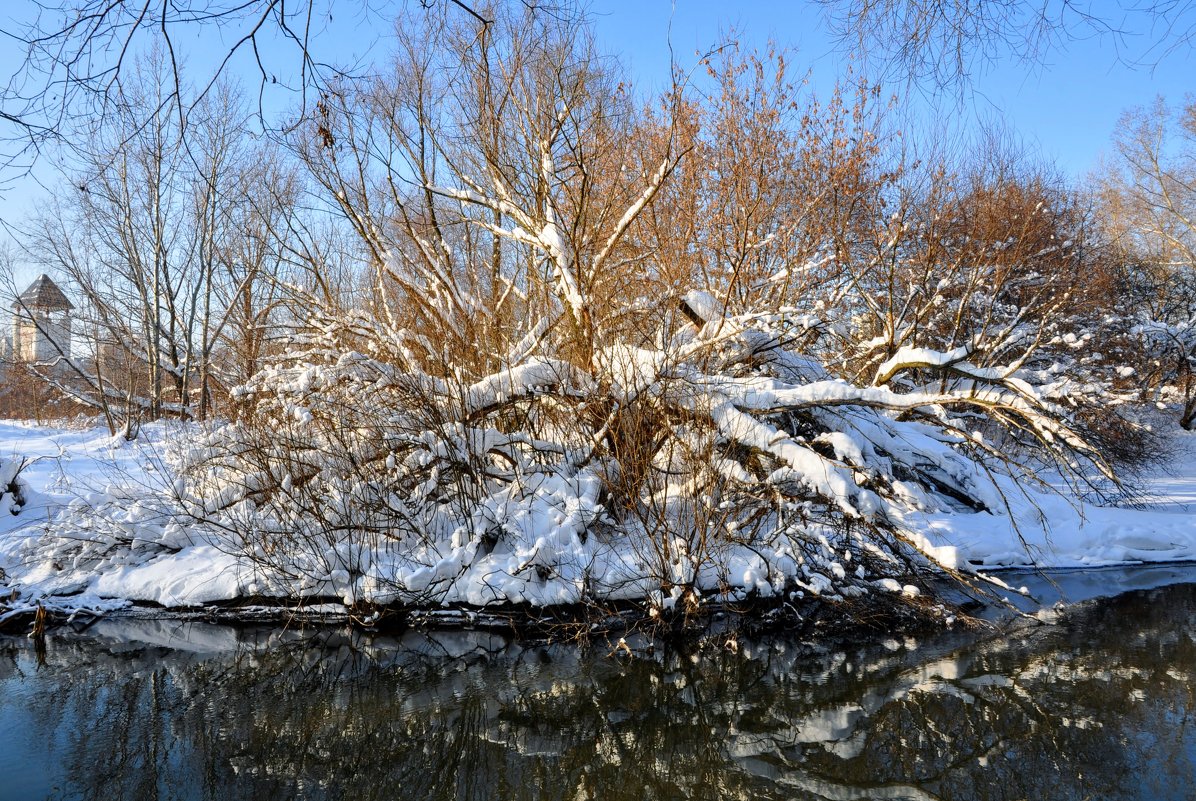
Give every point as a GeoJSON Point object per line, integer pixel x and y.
{"type": "Point", "coordinates": [1096, 707]}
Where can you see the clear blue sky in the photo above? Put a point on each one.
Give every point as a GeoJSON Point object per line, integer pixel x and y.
{"type": "Point", "coordinates": [1066, 108]}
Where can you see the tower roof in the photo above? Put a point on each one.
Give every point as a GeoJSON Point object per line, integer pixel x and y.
{"type": "Point", "coordinates": [44, 294]}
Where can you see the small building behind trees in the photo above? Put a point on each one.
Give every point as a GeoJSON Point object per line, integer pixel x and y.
{"type": "Point", "coordinates": [42, 323]}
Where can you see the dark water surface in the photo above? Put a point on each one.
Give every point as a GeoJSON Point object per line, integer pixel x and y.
{"type": "Point", "coordinates": [1094, 707]}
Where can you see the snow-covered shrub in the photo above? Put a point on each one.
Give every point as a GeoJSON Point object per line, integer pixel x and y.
{"type": "Point", "coordinates": [1170, 364]}
{"type": "Point", "coordinates": [988, 275]}
{"type": "Point", "coordinates": [537, 408]}
{"type": "Point", "coordinates": [722, 463]}
{"type": "Point", "coordinates": [915, 274]}
{"type": "Point", "coordinates": [553, 398]}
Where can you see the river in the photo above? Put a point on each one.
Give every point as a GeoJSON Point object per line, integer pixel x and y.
{"type": "Point", "coordinates": [1095, 705]}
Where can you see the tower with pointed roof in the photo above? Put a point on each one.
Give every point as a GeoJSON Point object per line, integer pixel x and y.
{"type": "Point", "coordinates": [42, 323]}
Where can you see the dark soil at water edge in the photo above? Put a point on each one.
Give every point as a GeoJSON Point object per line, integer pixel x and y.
{"type": "Point", "coordinates": [796, 616]}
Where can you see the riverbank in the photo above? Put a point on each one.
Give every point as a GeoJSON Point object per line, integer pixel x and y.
{"type": "Point", "coordinates": [67, 471]}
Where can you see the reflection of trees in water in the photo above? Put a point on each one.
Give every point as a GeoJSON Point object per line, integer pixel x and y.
{"type": "Point", "coordinates": [1096, 707]}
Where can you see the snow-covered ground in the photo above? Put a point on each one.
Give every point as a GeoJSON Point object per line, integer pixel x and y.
{"type": "Point", "coordinates": [1046, 531]}
{"type": "Point", "coordinates": [1055, 531]}
{"type": "Point", "coordinates": [1172, 488]}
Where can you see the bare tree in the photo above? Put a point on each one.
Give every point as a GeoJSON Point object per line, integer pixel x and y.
{"type": "Point", "coordinates": [1149, 194]}
{"type": "Point", "coordinates": [168, 245]}
{"type": "Point", "coordinates": [78, 53]}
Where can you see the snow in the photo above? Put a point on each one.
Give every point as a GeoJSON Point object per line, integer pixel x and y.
{"type": "Point", "coordinates": [1050, 530]}
{"type": "Point", "coordinates": [192, 576]}
{"type": "Point", "coordinates": [551, 550]}
{"type": "Point", "coordinates": [70, 466]}
{"type": "Point", "coordinates": [1173, 486]}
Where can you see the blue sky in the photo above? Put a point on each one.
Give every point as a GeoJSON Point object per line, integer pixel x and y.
{"type": "Point", "coordinates": [1065, 107]}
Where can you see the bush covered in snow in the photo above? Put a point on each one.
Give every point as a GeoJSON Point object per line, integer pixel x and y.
{"type": "Point", "coordinates": [722, 464]}
{"type": "Point", "coordinates": [708, 348]}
